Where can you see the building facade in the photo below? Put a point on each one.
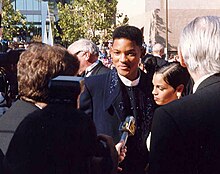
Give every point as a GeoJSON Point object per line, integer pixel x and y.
{"type": "Point", "coordinates": [163, 20]}
{"type": "Point", "coordinates": [38, 14]}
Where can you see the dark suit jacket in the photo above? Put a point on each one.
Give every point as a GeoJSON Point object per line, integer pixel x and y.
{"type": "Point", "coordinates": [99, 69]}
{"type": "Point", "coordinates": [56, 140]}
{"type": "Point", "coordinates": [11, 119]}
{"type": "Point", "coordinates": [186, 133]}
{"type": "Point", "coordinates": [160, 61]}
{"type": "Point", "coordinates": [103, 101]}
{"type": "Point", "coordinates": [1, 161]}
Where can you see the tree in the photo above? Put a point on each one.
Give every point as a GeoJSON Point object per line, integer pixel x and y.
{"type": "Point", "coordinates": [92, 19]}
{"type": "Point", "coordinates": [12, 21]}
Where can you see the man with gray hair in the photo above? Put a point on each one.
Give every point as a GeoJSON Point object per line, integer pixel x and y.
{"type": "Point", "coordinates": [158, 53]}
{"type": "Point", "coordinates": [158, 50]}
{"type": "Point", "coordinates": [186, 133]}
{"type": "Point", "coordinates": [87, 52]}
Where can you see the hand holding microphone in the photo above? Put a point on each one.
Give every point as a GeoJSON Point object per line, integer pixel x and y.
{"type": "Point", "coordinates": [128, 129]}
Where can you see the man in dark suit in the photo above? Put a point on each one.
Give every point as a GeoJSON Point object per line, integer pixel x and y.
{"type": "Point", "coordinates": [158, 53]}
{"type": "Point", "coordinates": [87, 52]}
{"type": "Point", "coordinates": [126, 90]}
{"type": "Point", "coordinates": [186, 133]}
{"type": "Point", "coordinates": [1, 161]}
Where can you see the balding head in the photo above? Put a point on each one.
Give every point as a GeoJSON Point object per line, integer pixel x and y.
{"type": "Point", "coordinates": [86, 51]}
{"type": "Point", "coordinates": [158, 49]}
{"type": "Point", "coordinates": [83, 45]}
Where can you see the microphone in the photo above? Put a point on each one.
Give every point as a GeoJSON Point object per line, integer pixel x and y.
{"type": "Point", "coordinates": [128, 128]}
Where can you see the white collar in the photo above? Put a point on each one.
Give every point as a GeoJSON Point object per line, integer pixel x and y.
{"type": "Point", "coordinates": [198, 82]}
{"type": "Point", "coordinates": [89, 68]}
{"type": "Point", "coordinates": [157, 55]}
{"type": "Point", "coordinates": [40, 105]}
{"type": "Point", "coordinates": [128, 82]}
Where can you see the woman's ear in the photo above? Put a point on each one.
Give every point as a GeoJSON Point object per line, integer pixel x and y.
{"type": "Point", "coordinates": [179, 90]}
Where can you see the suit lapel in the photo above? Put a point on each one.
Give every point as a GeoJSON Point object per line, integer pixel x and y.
{"type": "Point", "coordinates": [96, 68]}
{"type": "Point", "coordinates": [113, 95]}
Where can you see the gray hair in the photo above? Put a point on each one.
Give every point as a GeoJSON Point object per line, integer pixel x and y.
{"type": "Point", "coordinates": [158, 47]}
{"type": "Point", "coordinates": [200, 45]}
{"type": "Point", "coordinates": [83, 45]}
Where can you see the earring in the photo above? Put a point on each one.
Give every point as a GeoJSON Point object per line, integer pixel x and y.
{"type": "Point", "coordinates": [178, 95]}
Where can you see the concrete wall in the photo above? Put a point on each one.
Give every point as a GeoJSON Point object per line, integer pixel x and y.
{"type": "Point", "coordinates": [194, 4]}
{"type": "Point", "coordinates": [178, 19]}
{"type": "Point", "coordinates": [153, 17]}
{"type": "Point", "coordinates": [131, 7]}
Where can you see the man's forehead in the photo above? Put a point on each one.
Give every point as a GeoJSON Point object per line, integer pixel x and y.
{"type": "Point", "coordinates": [123, 42]}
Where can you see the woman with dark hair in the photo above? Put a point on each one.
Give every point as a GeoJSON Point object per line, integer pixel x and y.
{"type": "Point", "coordinates": [169, 83]}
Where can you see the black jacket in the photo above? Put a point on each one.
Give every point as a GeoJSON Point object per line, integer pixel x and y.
{"type": "Point", "coordinates": [186, 133]}
{"type": "Point", "coordinates": [11, 119]}
{"type": "Point", "coordinates": [100, 69]}
{"type": "Point", "coordinates": [106, 101]}
{"type": "Point", "coordinates": [58, 139]}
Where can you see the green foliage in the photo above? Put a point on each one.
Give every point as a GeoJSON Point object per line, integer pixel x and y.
{"type": "Point", "coordinates": [12, 21]}
{"type": "Point", "coordinates": [92, 19]}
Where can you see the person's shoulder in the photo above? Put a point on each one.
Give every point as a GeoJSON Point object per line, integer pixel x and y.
{"type": "Point", "coordinates": [161, 61]}
{"type": "Point", "coordinates": [20, 103]}
{"type": "Point", "coordinates": [105, 69]}
{"type": "Point", "coordinates": [145, 78]}
{"type": "Point", "coordinates": [102, 65]}
{"type": "Point", "coordinates": [17, 112]}
{"type": "Point", "coordinates": [178, 108]}
{"type": "Point", "coordinates": [20, 107]}
{"type": "Point", "coordinates": [56, 111]}
{"type": "Point", "coordinates": [102, 68]}
{"type": "Point", "coordinates": [97, 78]}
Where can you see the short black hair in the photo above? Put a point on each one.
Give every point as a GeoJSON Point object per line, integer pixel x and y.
{"type": "Point", "coordinates": [174, 74]}
{"type": "Point", "coordinates": [129, 32]}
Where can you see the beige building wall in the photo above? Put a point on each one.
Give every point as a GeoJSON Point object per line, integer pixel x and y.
{"type": "Point", "coordinates": [131, 7]}
{"type": "Point", "coordinates": [180, 12]}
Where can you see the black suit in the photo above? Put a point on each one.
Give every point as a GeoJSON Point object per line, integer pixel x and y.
{"type": "Point", "coordinates": [186, 133]}
{"type": "Point", "coordinates": [99, 69]}
{"type": "Point", "coordinates": [105, 99]}
{"type": "Point", "coordinates": [56, 140]}
{"type": "Point", "coordinates": [1, 161]}
{"type": "Point", "coordinates": [152, 63]}
{"type": "Point", "coordinates": [11, 119]}
{"type": "Point", "coordinates": [160, 61]}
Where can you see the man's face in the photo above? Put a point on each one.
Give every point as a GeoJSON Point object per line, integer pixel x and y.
{"type": "Point", "coordinates": [82, 59]}
{"type": "Point", "coordinates": [126, 57]}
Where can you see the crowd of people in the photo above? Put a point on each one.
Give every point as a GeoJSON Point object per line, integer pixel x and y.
{"type": "Point", "coordinates": [173, 105]}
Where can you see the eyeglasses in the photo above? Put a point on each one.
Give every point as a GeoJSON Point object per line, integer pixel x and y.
{"type": "Point", "coordinates": [79, 52]}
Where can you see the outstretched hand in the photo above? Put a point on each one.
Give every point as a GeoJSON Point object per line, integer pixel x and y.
{"type": "Point", "coordinates": [121, 149]}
